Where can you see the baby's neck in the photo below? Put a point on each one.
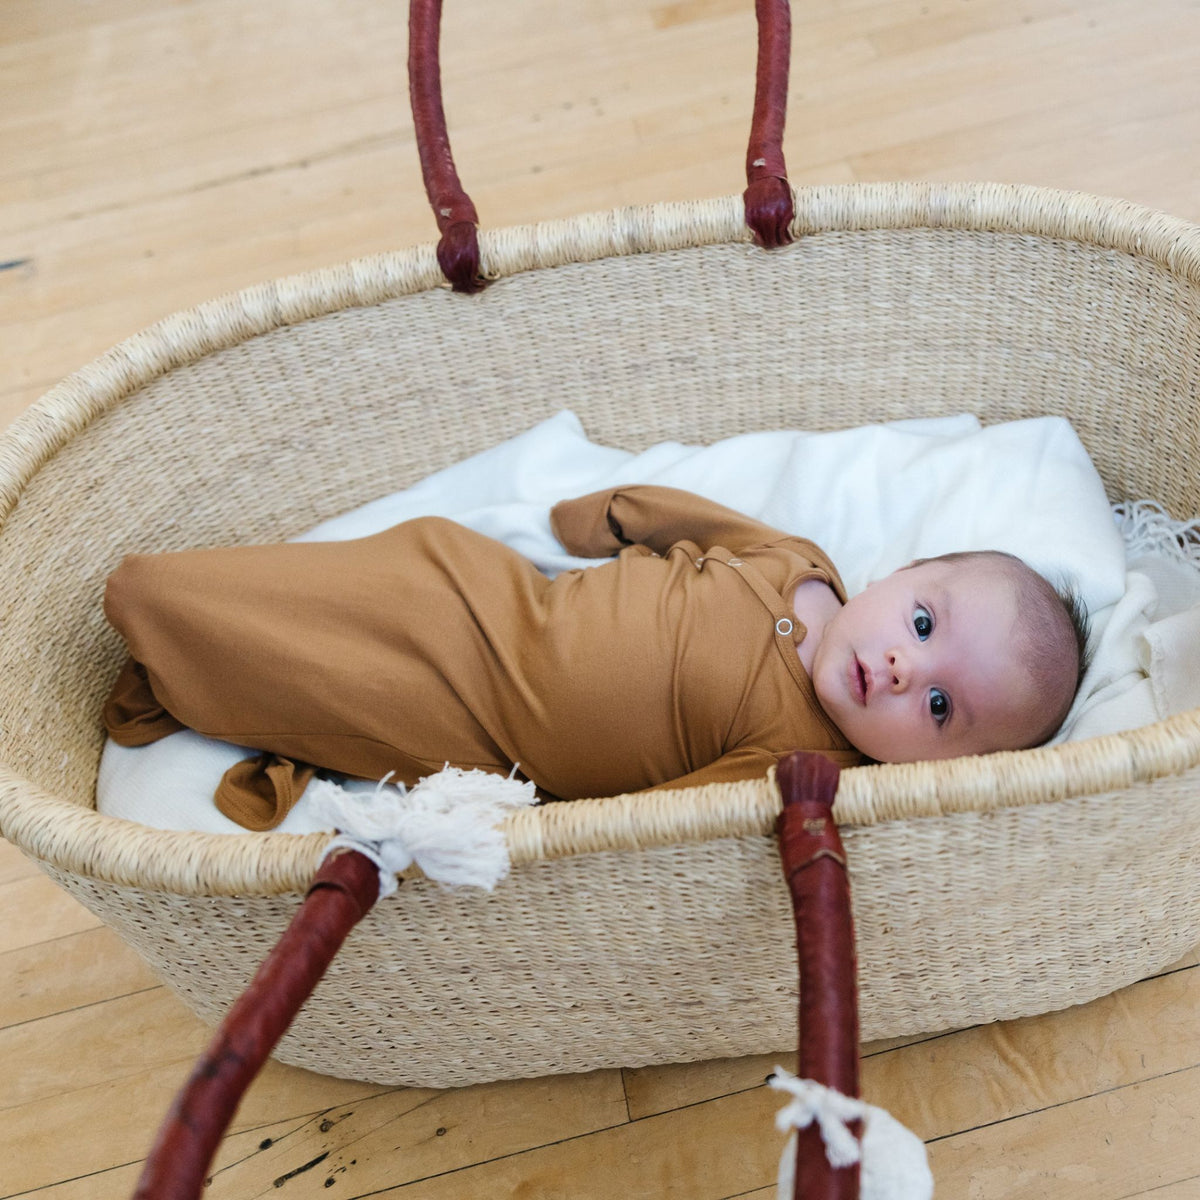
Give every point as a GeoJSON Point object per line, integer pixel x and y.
{"type": "Point", "coordinates": [814, 602]}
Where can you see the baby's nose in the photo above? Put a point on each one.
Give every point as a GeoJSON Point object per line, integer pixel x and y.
{"type": "Point", "coordinates": [898, 671]}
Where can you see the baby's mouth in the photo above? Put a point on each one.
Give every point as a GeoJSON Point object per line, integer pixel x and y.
{"type": "Point", "coordinates": [860, 679]}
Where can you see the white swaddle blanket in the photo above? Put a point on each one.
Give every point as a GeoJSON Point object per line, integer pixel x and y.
{"type": "Point", "coordinates": [873, 498]}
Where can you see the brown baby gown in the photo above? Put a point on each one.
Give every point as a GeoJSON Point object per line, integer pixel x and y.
{"type": "Point", "coordinates": [429, 643]}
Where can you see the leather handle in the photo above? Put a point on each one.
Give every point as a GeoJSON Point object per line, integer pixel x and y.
{"type": "Point", "coordinates": [770, 205]}
{"type": "Point", "coordinates": [344, 888]}
{"type": "Point", "coordinates": [458, 222]}
{"type": "Point", "coordinates": [814, 864]}
{"type": "Point", "coordinates": [768, 195]}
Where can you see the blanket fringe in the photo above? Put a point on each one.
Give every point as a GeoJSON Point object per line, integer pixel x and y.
{"type": "Point", "coordinates": [1148, 529]}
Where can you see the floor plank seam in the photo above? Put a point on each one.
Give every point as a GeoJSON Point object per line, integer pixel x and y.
{"type": "Point", "coordinates": [749, 1192]}
{"type": "Point", "coordinates": [133, 1162]}
{"type": "Point", "coordinates": [389, 138]}
{"type": "Point", "coordinates": [1033, 1112]}
{"type": "Point", "coordinates": [62, 1012]}
{"type": "Point", "coordinates": [561, 1142]}
{"type": "Point", "coordinates": [304, 1119]}
{"type": "Point", "coordinates": [1165, 974]}
{"type": "Point", "coordinates": [921, 1040]}
{"type": "Point", "coordinates": [483, 1162]}
{"type": "Point", "coordinates": [1158, 1188]}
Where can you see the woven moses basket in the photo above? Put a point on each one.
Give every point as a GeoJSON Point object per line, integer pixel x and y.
{"type": "Point", "coordinates": [631, 930]}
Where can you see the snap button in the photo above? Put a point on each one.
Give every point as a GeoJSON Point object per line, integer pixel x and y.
{"type": "Point", "coordinates": [783, 626]}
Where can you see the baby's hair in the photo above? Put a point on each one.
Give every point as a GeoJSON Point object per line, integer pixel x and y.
{"type": "Point", "coordinates": [1055, 618]}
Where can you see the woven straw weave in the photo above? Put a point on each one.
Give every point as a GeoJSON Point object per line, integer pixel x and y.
{"type": "Point", "coordinates": [649, 929]}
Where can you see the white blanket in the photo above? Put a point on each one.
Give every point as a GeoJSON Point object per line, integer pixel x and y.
{"type": "Point", "coordinates": [874, 498]}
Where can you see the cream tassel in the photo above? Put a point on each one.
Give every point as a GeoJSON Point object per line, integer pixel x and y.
{"type": "Point", "coordinates": [448, 824]}
{"type": "Point", "coordinates": [894, 1163]}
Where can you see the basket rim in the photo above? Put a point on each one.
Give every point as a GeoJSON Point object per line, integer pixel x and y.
{"type": "Point", "coordinates": [81, 841]}
{"type": "Point", "coordinates": [185, 336]}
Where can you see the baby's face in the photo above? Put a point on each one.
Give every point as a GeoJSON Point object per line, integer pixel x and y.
{"type": "Point", "coordinates": [923, 664]}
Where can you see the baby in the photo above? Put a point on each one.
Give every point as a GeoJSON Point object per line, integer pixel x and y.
{"type": "Point", "coordinates": [712, 645]}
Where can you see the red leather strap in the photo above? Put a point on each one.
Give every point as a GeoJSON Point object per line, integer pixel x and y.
{"type": "Point", "coordinates": [342, 892]}
{"type": "Point", "coordinates": [458, 250]}
{"type": "Point", "coordinates": [768, 196]}
{"type": "Point", "coordinates": [814, 865]}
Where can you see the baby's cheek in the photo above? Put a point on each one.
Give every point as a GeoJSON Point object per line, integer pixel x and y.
{"type": "Point", "coordinates": [894, 736]}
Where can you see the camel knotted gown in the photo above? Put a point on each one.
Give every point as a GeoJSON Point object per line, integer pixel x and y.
{"type": "Point", "coordinates": [429, 643]}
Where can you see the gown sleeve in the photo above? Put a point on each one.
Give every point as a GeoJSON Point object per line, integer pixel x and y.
{"type": "Point", "coordinates": [747, 762]}
{"type": "Point", "coordinates": [601, 523]}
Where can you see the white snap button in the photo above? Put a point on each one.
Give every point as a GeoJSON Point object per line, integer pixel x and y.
{"type": "Point", "coordinates": [784, 626]}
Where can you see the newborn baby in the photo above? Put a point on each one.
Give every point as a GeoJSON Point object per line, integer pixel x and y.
{"type": "Point", "coordinates": [708, 648]}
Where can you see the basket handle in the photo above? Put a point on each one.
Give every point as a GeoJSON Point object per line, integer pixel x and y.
{"type": "Point", "coordinates": [768, 195]}
{"type": "Point", "coordinates": [343, 890]}
{"type": "Point", "coordinates": [814, 865]}
{"type": "Point", "coordinates": [346, 887]}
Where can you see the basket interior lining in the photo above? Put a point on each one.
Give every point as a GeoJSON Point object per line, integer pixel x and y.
{"type": "Point", "coordinates": [259, 441]}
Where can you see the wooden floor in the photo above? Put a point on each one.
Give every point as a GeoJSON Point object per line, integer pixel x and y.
{"type": "Point", "coordinates": [154, 153]}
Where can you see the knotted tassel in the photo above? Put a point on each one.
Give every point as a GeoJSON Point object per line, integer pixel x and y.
{"type": "Point", "coordinates": [448, 824]}
{"type": "Point", "coordinates": [894, 1165]}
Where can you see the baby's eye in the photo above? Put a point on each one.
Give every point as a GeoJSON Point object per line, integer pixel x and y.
{"type": "Point", "coordinates": [922, 622]}
{"type": "Point", "coordinates": [939, 705]}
